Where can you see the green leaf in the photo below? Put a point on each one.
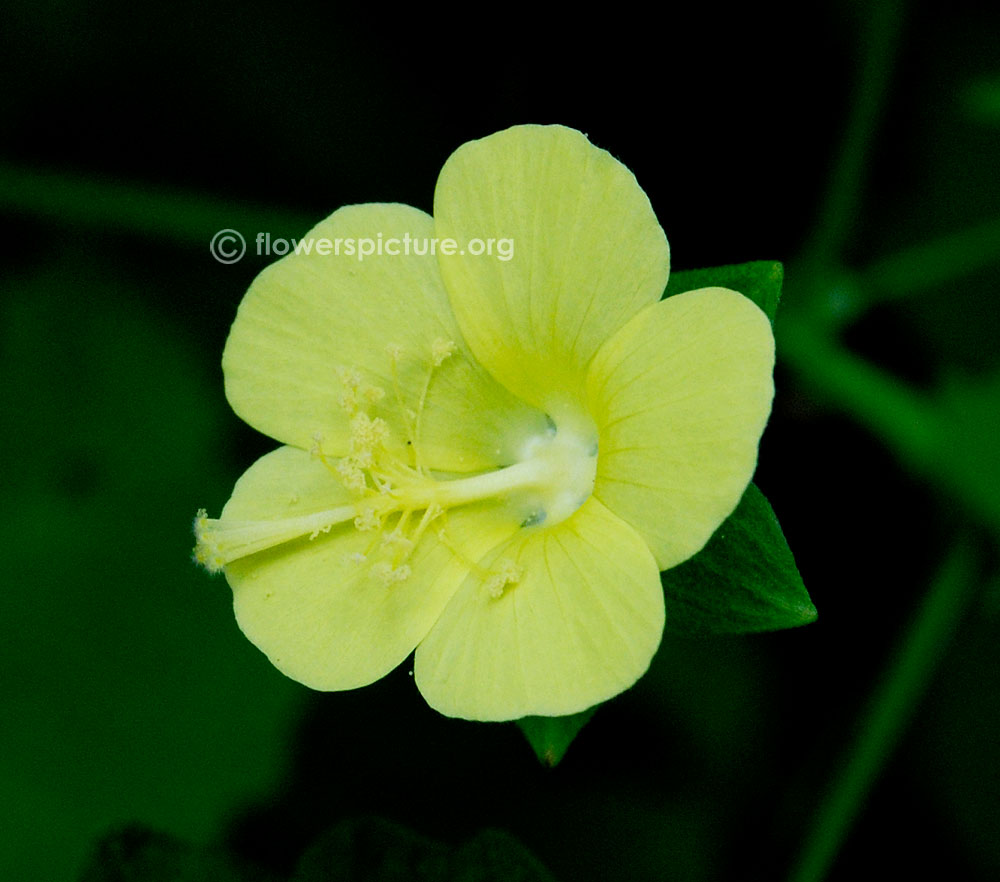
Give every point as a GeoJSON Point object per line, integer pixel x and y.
{"type": "Point", "coordinates": [760, 280]}
{"type": "Point", "coordinates": [743, 580]}
{"type": "Point", "coordinates": [550, 737]}
{"type": "Point", "coordinates": [375, 850]}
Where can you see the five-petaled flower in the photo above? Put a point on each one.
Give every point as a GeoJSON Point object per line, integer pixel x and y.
{"type": "Point", "coordinates": [488, 461]}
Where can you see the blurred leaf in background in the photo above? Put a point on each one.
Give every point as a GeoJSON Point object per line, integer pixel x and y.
{"type": "Point", "coordinates": [366, 849]}
{"type": "Point", "coordinates": [127, 693]}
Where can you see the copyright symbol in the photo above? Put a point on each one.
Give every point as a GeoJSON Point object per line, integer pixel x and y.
{"type": "Point", "coordinates": [227, 246]}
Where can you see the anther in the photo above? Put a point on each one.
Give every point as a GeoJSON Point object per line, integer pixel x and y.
{"type": "Point", "coordinates": [352, 383]}
{"type": "Point", "coordinates": [351, 475]}
{"type": "Point", "coordinates": [441, 349]}
{"type": "Point", "coordinates": [389, 574]}
{"type": "Point", "coordinates": [506, 572]}
{"type": "Point", "coordinates": [399, 541]}
{"type": "Point", "coordinates": [367, 519]}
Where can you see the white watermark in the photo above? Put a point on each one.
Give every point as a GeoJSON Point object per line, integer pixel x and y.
{"type": "Point", "coordinates": [229, 246]}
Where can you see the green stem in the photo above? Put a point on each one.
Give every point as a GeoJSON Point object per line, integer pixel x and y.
{"type": "Point", "coordinates": [889, 711]}
{"type": "Point", "coordinates": [842, 297]}
{"type": "Point", "coordinates": [171, 215]}
{"type": "Point", "coordinates": [926, 266]}
{"type": "Point", "coordinates": [843, 194]}
{"type": "Point", "coordinates": [895, 413]}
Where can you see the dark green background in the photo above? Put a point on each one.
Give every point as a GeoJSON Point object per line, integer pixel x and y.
{"type": "Point", "coordinates": [131, 134]}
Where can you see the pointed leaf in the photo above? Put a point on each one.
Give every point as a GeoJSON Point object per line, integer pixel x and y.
{"type": "Point", "coordinates": [743, 580]}
{"type": "Point", "coordinates": [550, 737]}
{"type": "Point", "coordinates": [759, 280]}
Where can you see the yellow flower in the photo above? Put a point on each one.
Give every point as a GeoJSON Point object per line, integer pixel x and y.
{"type": "Point", "coordinates": [487, 458]}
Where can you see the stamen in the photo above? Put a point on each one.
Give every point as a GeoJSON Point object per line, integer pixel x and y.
{"type": "Point", "coordinates": [441, 349]}
{"type": "Point", "coordinates": [395, 353]}
{"type": "Point", "coordinates": [316, 451]}
{"type": "Point", "coordinates": [389, 574]}
{"type": "Point", "coordinates": [351, 475]}
{"type": "Point", "coordinates": [506, 572]}
{"type": "Point", "coordinates": [352, 382]}
{"type": "Point", "coordinates": [433, 512]}
{"type": "Point", "coordinates": [368, 519]}
{"type": "Point", "coordinates": [398, 540]}
{"type": "Point", "coordinates": [465, 560]}
{"type": "Point", "coordinates": [367, 434]}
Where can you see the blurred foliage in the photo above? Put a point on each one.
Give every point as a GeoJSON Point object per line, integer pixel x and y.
{"type": "Point", "coordinates": [128, 690]}
{"type": "Point", "coordinates": [128, 694]}
{"type": "Point", "coordinates": [364, 850]}
{"type": "Point", "coordinates": [136, 853]}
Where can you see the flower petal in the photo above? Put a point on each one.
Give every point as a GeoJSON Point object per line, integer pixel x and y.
{"type": "Point", "coordinates": [588, 254]}
{"type": "Point", "coordinates": [681, 395]}
{"type": "Point", "coordinates": [580, 624]}
{"type": "Point", "coordinates": [312, 318]}
{"type": "Point", "coordinates": [323, 617]}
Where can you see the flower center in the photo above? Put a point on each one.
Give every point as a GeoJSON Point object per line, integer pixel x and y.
{"type": "Point", "coordinates": [563, 467]}
{"type": "Point", "coordinates": [399, 501]}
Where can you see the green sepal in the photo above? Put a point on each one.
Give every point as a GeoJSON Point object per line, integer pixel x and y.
{"type": "Point", "coordinates": [759, 280]}
{"type": "Point", "coordinates": [744, 580]}
{"type": "Point", "coordinates": [550, 737]}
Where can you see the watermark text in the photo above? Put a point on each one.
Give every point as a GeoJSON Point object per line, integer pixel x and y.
{"type": "Point", "coordinates": [229, 246]}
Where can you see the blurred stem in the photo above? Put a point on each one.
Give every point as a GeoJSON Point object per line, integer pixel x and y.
{"type": "Point", "coordinates": [924, 267]}
{"type": "Point", "coordinates": [888, 407]}
{"type": "Point", "coordinates": [841, 298]}
{"type": "Point", "coordinates": [839, 207]}
{"type": "Point", "coordinates": [888, 712]}
{"type": "Point", "coordinates": [171, 215]}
